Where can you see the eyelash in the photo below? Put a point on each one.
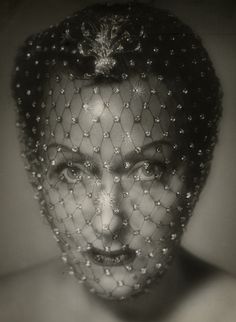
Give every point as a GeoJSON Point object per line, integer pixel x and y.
{"type": "Point", "coordinates": [63, 172]}
{"type": "Point", "coordinates": [156, 174]}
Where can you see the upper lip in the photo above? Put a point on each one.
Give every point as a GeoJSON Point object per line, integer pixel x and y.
{"type": "Point", "coordinates": [110, 253]}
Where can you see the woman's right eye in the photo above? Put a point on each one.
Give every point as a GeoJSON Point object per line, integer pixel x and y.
{"type": "Point", "coordinates": [70, 175]}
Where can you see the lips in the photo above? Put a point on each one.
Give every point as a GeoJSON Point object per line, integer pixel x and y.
{"type": "Point", "coordinates": [114, 258]}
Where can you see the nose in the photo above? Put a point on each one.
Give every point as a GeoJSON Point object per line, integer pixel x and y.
{"type": "Point", "coordinates": [107, 220]}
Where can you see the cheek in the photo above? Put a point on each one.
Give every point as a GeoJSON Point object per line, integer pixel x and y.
{"type": "Point", "coordinates": [146, 196]}
{"type": "Point", "coordinates": [154, 208]}
{"type": "Point", "coordinates": [70, 205]}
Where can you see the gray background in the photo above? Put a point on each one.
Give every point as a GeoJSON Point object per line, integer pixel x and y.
{"type": "Point", "coordinates": [25, 238]}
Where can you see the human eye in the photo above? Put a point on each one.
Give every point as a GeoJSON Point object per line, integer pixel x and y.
{"type": "Point", "coordinates": [148, 171]}
{"type": "Point", "coordinates": [71, 174]}
{"type": "Point", "coordinates": [67, 172]}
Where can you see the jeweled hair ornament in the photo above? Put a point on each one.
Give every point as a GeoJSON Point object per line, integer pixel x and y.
{"type": "Point", "coordinates": [105, 42]}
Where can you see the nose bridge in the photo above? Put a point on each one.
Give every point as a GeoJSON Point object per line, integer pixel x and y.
{"type": "Point", "coordinates": [108, 220]}
{"type": "Point", "coordinates": [107, 181]}
{"type": "Point", "coordinates": [111, 185]}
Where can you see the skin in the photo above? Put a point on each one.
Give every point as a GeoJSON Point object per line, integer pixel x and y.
{"type": "Point", "coordinates": [46, 293]}
{"type": "Point", "coordinates": [113, 184]}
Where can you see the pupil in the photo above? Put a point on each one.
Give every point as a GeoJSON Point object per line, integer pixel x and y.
{"type": "Point", "coordinates": [148, 169]}
{"type": "Point", "coordinates": [73, 173]}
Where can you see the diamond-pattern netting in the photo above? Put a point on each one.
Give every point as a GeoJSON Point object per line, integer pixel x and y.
{"type": "Point", "coordinates": [118, 137]}
{"type": "Point", "coordinates": [110, 184]}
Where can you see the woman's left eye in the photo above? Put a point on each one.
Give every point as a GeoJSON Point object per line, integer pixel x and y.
{"type": "Point", "coordinates": [149, 171]}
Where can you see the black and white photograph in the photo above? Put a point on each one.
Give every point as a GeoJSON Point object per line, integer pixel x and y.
{"type": "Point", "coordinates": [118, 154]}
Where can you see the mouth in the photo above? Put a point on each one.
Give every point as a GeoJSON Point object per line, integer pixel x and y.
{"type": "Point", "coordinates": [113, 258]}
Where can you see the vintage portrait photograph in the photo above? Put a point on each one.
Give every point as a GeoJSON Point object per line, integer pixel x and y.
{"type": "Point", "coordinates": [118, 158]}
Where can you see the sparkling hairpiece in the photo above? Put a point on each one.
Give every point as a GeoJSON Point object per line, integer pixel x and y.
{"type": "Point", "coordinates": [104, 41]}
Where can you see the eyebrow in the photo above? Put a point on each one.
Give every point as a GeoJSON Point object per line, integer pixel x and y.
{"type": "Point", "coordinates": [128, 156]}
{"type": "Point", "coordinates": [154, 144]}
{"type": "Point", "coordinates": [65, 148]}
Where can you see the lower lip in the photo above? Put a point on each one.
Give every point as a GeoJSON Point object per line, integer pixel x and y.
{"type": "Point", "coordinates": [116, 258]}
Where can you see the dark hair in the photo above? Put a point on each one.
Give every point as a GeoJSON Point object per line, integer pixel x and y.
{"type": "Point", "coordinates": [148, 40]}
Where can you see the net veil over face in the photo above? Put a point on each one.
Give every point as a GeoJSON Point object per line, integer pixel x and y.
{"type": "Point", "coordinates": [117, 138]}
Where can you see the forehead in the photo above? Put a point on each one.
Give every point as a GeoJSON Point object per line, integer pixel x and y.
{"type": "Point", "coordinates": [107, 116]}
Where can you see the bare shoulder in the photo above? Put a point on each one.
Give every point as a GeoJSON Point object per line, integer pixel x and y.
{"type": "Point", "coordinates": [211, 301]}
{"type": "Point", "coordinates": [46, 293]}
{"type": "Point", "coordinates": [222, 288]}
{"type": "Point", "coordinates": [36, 294]}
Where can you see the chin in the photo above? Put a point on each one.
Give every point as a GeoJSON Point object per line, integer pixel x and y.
{"type": "Point", "coordinates": [121, 285]}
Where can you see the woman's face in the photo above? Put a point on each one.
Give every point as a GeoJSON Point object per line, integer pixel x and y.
{"type": "Point", "coordinates": [113, 188]}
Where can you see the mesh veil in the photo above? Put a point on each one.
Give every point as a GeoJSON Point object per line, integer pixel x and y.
{"type": "Point", "coordinates": [118, 110]}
